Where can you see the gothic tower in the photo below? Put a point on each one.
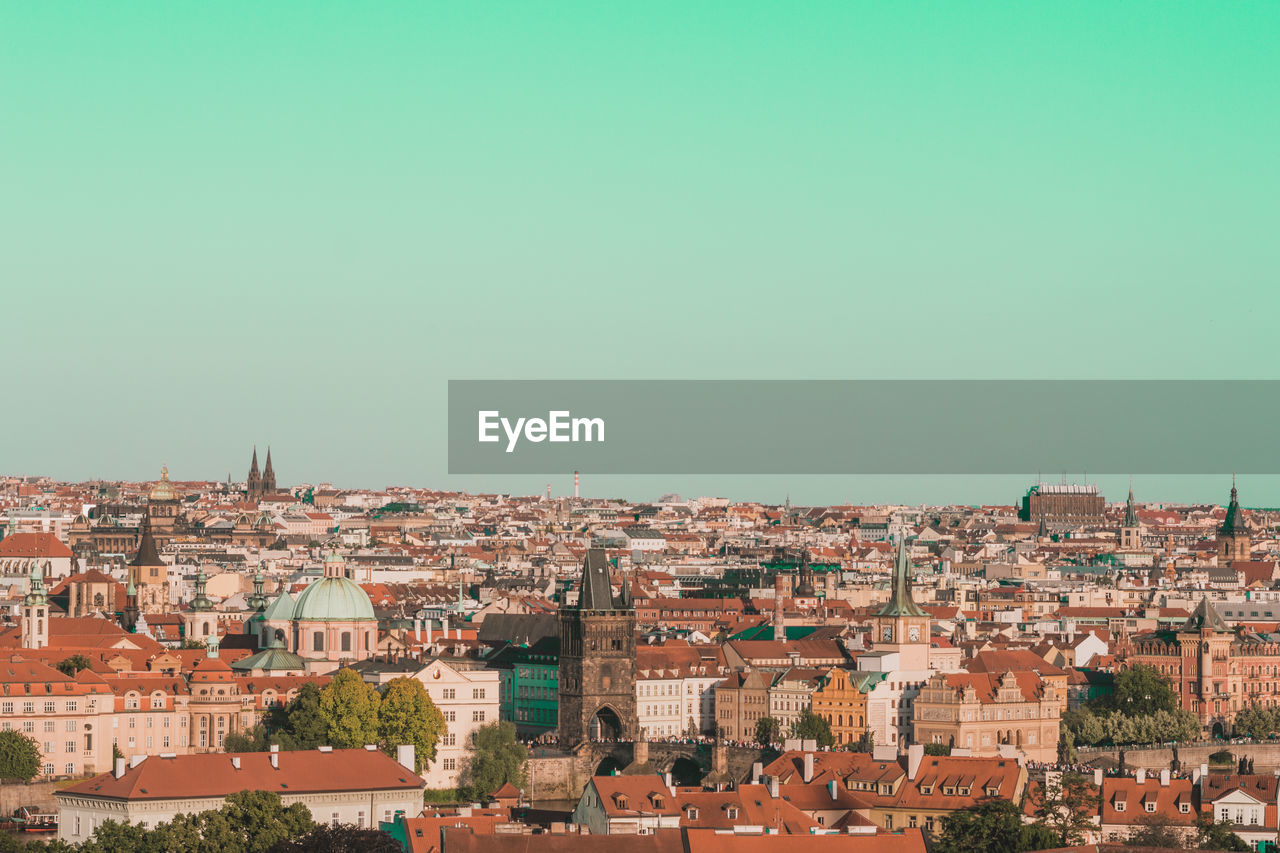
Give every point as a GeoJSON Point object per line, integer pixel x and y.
{"type": "Point", "coordinates": [804, 583]}
{"type": "Point", "coordinates": [149, 574]}
{"type": "Point", "coordinates": [1131, 531]}
{"type": "Point", "coordinates": [1234, 542]}
{"type": "Point", "coordinates": [268, 476]}
{"type": "Point", "coordinates": [902, 626]}
{"type": "Point", "coordinates": [598, 659]}
{"type": "Point", "coordinates": [253, 485]}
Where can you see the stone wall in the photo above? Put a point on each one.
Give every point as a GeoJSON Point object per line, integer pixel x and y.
{"type": "Point", "coordinates": [13, 795]}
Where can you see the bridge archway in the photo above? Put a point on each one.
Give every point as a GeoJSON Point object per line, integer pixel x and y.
{"type": "Point", "coordinates": [605, 725]}
{"type": "Point", "coordinates": [686, 771]}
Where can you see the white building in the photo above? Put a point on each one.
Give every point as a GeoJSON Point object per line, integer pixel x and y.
{"type": "Point", "coordinates": [355, 786]}
{"type": "Point", "coordinates": [469, 699]}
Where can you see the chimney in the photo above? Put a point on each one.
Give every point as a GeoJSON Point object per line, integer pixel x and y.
{"type": "Point", "coordinates": [808, 767]}
{"type": "Point", "coordinates": [1164, 778]}
{"type": "Point", "coordinates": [235, 761]}
{"type": "Point", "coordinates": [1142, 776]}
{"type": "Point", "coordinates": [640, 752]}
{"type": "Point", "coordinates": [417, 630]}
{"type": "Point", "coordinates": [666, 777]}
{"type": "Point", "coordinates": [915, 754]}
{"type": "Point", "coordinates": [428, 632]}
{"type": "Point", "coordinates": [119, 768]}
{"type": "Point", "coordinates": [831, 788]}
{"type": "Point", "coordinates": [1097, 776]}
{"type": "Point", "coordinates": [773, 787]}
{"type": "Point", "coordinates": [275, 747]}
{"type": "Point", "coordinates": [135, 760]}
{"type": "Point", "coordinates": [756, 769]}
{"type": "Point", "coordinates": [275, 760]}
{"type": "Point", "coordinates": [405, 757]}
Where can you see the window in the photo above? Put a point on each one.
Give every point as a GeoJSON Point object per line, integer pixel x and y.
{"type": "Point", "coordinates": [70, 769]}
{"type": "Point", "coordinates": [477, 716]}
{"type": "Point", "coordinates": [449, 693]}
{"type": "Point", "coordinates": [346, 641]}
{"type": "Point", "coordinates": [450, 764]}
{"type": "Point", "coordinates": [49, 707]}
{"type": "Point", "coordinates": [1120, 805]}
{"type": "Point", "coordinates": [317, 645]}
{"type": "Point", "coordinates": [731, 813]}
{"type": "Point", "coordinates": [450, 716]}
{"type": "Point", "coordinates": [450, 739]}
{"type": "Point", "coordinates": [477, 694]}
{"type": "Point", "coordinates": [70, 746]}
{"type": "Point", "coordinates": [1150, 806]}
{"type": "Point", "coordinates": [50, 726]}
{"type": "Point", "coordinates": [334, 819]}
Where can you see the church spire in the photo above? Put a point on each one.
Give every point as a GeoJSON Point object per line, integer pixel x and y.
{"type": "Point", "coordinates": [268, 475]}
{"type": "Point", "coordinates": [1130, 510]}
{"type": "Point", "coordinates": [901, 603]}
{"type": "Point", "coordinates": [804, 584]}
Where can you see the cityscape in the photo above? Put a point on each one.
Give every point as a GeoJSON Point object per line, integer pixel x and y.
{"type": "Point", "coordinates": [452, 671]}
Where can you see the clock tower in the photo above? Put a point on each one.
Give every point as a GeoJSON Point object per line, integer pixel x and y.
{"type": "Point", "coordinates": [902, 626]}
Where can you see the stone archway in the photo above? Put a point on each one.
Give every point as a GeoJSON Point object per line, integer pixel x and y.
{"type": "Point", "coordinates": [605, 725]}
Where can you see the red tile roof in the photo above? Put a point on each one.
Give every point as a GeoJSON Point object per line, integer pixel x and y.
{"type": "Point", "coordinates": [213, 775]}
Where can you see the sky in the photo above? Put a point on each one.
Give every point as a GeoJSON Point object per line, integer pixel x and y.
{"type": "Point", "coordinates": [290, 224]}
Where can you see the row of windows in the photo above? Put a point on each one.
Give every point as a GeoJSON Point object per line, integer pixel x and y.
{"type": "Point", "coordinates": [49, 706]}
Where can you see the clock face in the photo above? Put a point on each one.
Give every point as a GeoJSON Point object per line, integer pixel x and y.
{"type": "Point", "coordinates": [887, 633]}
{"type": "Point", "coordinates": [914, 634]}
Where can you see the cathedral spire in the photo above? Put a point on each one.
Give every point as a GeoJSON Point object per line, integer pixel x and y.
{"type": "Point", "coordinates": [804, 583]}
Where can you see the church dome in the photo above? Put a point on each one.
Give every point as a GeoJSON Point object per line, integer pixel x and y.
{"type": "Point", "coordinates": [163, 490]}
{"type": "Point", "coordinates": [333, 599]}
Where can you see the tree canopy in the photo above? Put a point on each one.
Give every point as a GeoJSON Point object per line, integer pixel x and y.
{"type": "Point", "coordinates": [408, 716]}
{"type": "Point", "coordinates": [810, 726]}
{"type": "Point", "coordinates": [1143, 690]}
{"type": "Point", "coordinates": [72, 665]}
{"type": "Point", "coordinates": [496, 758]}
{"type": "Point", "coordinates": [994, 826]}
{"type": "Point", "coordinates": [19, 756]}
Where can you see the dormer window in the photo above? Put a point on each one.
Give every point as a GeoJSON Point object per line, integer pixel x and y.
{"type": "Point", "coordinates": [948, 790]}
{"type": "Point", "coordinates": [1119, 805]}
{"type": "Point", "coordinates": [692, 813]}
{"type": "Point", "coordinates": [1151, 807]}
{"type": "Point", "coordinates": [732, 812]}
{"type": "Point", "coordinates": [964, 792]}
{"type": "Point", "coordinates": [1185, 808]}
{"type": "Point", "coordinates": [926, 789]}
{"type": "Point", "coordinates": [621, 801]}
{"type": "Point", "coordinates": [993, 792]}
{"type": "Point", "coordinates": [659, 802]}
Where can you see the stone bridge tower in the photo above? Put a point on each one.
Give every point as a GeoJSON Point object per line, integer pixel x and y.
{"type": "Point", "coordinates": [598, 659]}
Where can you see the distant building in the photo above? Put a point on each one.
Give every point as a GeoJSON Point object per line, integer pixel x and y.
{"type": "Point", "coordinates": [1063, 506]}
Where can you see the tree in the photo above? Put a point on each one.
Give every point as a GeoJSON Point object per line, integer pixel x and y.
{"type": "Point", "coordinates": [937, 749]}
{"type": "Point", "coordinates": [1218, 836]}
{"type": "Point", "coordinates": [19, 756]}
{"type": "Point", "coordinates": [261, 819]}
{"type": "Point", "coordinates": [768, 730]}
{"type": "Point", "coordinates": [1157, 831]}
{"type": "Point", "coordinates": [810, 726]}
{"type": "Point", "coordinates": [254, 740]}
{"type": "Point", "coordinates": [300, 724]}
{"type": "Point", "coordinates": [250, 822]}
{"type": "Point", "coordinates": [70, 666]}
{"type": "Point", "coordinates": [866, 742]}
{"type": "Point", "coordinates": [1256, 721]}
{"type": "Point", "coordinates": [1066, 806]}
{"type": "Point", "coordinates": [994, 826]}
{"type": "Point", "coordinates": [343, 838]}
{"type": "Point", "coordinates": [349, 709]}
{"type": "Point", "coordinates": [496, 758]}
{"type": "Point", "coordinates": [408, 716]}
{"type": "Point", "coordinates": [1143, 690]}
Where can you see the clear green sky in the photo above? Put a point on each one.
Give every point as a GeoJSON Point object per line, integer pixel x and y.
{"type": "Point", "coordinates": [227, 223]}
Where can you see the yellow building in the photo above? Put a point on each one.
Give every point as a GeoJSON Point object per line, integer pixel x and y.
{"type": "Point", "coordinates": [842, 704]}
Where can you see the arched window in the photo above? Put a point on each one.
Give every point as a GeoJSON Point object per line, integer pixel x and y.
{"type": "Point", "coordinates": [346, 641]}
{"type": "Point", "coordinates": [205, 629]}
{"type": "Point", "coordinates": [319, 641]}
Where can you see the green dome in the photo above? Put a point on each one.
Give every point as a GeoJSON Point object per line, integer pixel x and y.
{"type": "Point", "coordinates": [335, 600]}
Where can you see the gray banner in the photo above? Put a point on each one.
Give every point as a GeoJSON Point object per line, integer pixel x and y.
{"type": "Point", "coordinates": [863, 426]}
